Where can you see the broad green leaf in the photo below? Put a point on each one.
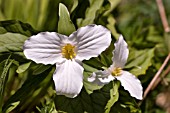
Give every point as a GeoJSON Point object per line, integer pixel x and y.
{"type": "Point", "coordinates": [93, 103]}
{"type": "Point", "coordinates": [11, 42]}
{"type": "Point", "coordinates": [76, 105]}
{"type": "Point", "coordinates": [3, 80]}
{"type": "Point", "coordinates": [65, 25]}
{"type": "Point", "coordinates": [140, 60]}
{"type": "Point", "coordinates": [91, 13]}
{"type": "Point", "coordinates": [100, 98]}
{"type": "Point", "coordinates": [23, 67]}
{"type": "Point", "coordinates": [16, 27]}
{"type": "Point", "coordinates": [114, 96]}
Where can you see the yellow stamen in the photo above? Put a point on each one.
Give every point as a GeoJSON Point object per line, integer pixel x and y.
{"type": "Point", "coordinates": [116, 71]}
{"type": "Point", "coordinates": [68, 51]}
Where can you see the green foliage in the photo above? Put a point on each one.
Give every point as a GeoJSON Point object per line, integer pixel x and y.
{"type": "Point", "coordinates": [114, 96]}
{"type": "Point", "coordinates": [65, 25]}
{"type": "Point", "coordinates": [31, 11]}
{"type": "Point", "coordinates": [12, 106]}
{"type": "Point", "coordinates": [3, 79]}
{"type": "Point", "coordinates": [90, 12]}
{"type": "Point", "coordinates": [28, 87]}
{"type": "Point", "coordinates": [11, 42]}
{"type": "Point", "coordinates": [22, 68]}
{"type": "Point", "coordinates": [142, 59]}
{"type": "Point", "coordinates": [15, 26]}
{"type": "Point", "coordinates": [93, 103]}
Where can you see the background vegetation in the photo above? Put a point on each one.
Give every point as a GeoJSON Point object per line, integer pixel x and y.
{"type": "Point", "coordinates": [27, 87]}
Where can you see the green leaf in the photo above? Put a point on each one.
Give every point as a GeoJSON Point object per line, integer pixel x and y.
{"type": "Point", "coordinates": [114, 96]}
{"type": "Point", "coordinates": [16, 27]}
{"type": "Point", "coordinates": [154, 35]}
{"type": "Point", "coordinates": [10, 42]}
{"type": "Point", "coordinates": [65, 25]}
{"type": "Point", "coordinates": [140, 60]}
{"type": "Point", "coordinates": [88, 70]}
{"type": "Point", "coordinates": [70, 4]}
{"type": "Point", "coordinates": [113, 4]}
{"type": "Point", "coordinates": [3, 80]}
{"type": "Point", "coordinates": [75, 3]}
{"type": "Point", "coordinates": [22, 68]}
{"type": "Point", "coordinates": [93, 103]}
{"type": "Point", "coordinates": [89, 86]}
{"type": "Point", "coordinates": [111, 26]}
{"type": "Point", "coordinates": [40, 69]}
{"type": "Point", "coordinates": [26, 92]}
{"type": "Point", "coordinates": [95, 63]}
{"type": "Point", "coordinates": [76, 105]}
{"type": "Point", "coordinates": [48, 108]}
{"type": "Point", "coordinates": [12, 106]}
{"type": "Point", "coordinates": [90, 15]}
{"type": "Point", "coordinates": [105, 60]}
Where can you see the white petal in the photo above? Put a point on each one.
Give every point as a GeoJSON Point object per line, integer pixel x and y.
{"type": "Point", "coordinates": [131, 84]}
{"type": "Point", "coordinates": [92, 40]}
{"type": "Point", "coordinates": [44, 47]}
{"type": "Point", "coordinates": [101, 78]}
{"type": "Point", "coordinates": [68, 79]}
{"type": "Point", "coordinates": [120, 53]}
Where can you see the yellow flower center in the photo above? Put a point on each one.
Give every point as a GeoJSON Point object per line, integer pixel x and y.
{"type": "Point", "coordinates": [116, 71]}
{"type": "Point", "coordinates": [68, 51]}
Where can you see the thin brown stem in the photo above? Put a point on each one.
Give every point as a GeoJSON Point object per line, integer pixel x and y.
{"type": "Point", "coordinates": [160, 77]}
{"type": "Point", "coordinates": [156, 76]}
{"type": "Point", "coordinates": [163, 15]}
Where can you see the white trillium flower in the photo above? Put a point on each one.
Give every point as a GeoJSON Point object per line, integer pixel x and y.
{"type": "Point", "coordinates": [127, 80]}
{"type": "Point", "coordinates": [67, 52]}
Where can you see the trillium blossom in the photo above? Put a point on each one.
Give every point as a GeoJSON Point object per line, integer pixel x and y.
{"type": "Point", "coordinates": [67, 52]}
{"type": "Point", "coordinates": [127, 80]}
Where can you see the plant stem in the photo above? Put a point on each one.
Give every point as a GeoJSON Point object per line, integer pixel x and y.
{"type": "Point", "coordinates": [160, 78]}
{"type": "Point", "coordinates": [156, 76]}
{"type": "Point", "coordinates": [163, 15]}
